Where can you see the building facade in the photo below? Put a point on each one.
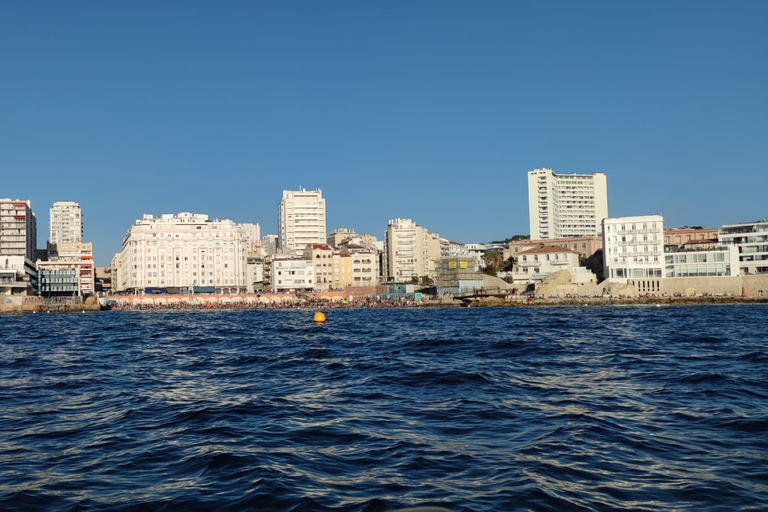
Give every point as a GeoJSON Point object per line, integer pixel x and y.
{"type": "Point", "coordinates": [65, 222]}
{"type": "Point", "coordinates": [365, 261]}
{"type": "Point", "coordinates": [300, 220]}
{"type": "Point", "coordinates": [680, 236]}
{"type": "Point", "coordinates": [537, 263]}
{"type": "Point", "coordinates": [407, 250]}
{"type": "Point", "coordinates": [182, 250]}
{"type": "Point", "coordinates": [18, 244]}
{"type": "Point", "coordinates": [751, 239]}
{"type": "Point", "coordinates": [68, 270]}
{"type": "Point", "coordinates": [338, 235]}
{"type": "Point", "coordinates": [633, 248]}
{"type": "Point", "coordinates": [566, 205]}
{"type": "Point", "coordinates": [720, 261]}
{"type": "Point", "coordinates": [291, 273]}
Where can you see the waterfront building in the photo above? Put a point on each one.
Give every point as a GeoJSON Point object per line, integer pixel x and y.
{"type": "Point", "coordinates": [566, 205]}
{"type": "Point", "coordinates": [407, 251]}
{"type": "Point", "coordinates": [703, 259]}
{"type": "Point", "coordinates": [65, 222]}
{"type": "Point", "coordinates": [633, 250]}
{"type": "Point", "coordinates": [536, 263]}
{"type": "Point", "coordinates": [291, 273]}
{"type": "Point", "coordinates": [751, 239]}
{"type": "Point", "coordinates": [300, 220]}
{"type": "Point", "coordinates": [18, 247]}
{"type": "Point", "coordinates": [68, 270]}
{"type": "Point", "coordinates": [182, 250]}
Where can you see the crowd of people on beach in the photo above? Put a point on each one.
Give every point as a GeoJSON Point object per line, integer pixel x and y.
{"type": "Point", "coordinates": [307, 303]}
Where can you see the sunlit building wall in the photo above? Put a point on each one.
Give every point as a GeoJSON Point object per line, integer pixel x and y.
{"type": "Point", "coordinates": [566, 205]}
{"type": "Point", "coordinates": [300, 220]}
{"type": "Point", "coordinates": [183, 250]}
{"type": "Point", "coordinates": [65, 222]}
{"type": "Point", "coordinates": [633, 248]}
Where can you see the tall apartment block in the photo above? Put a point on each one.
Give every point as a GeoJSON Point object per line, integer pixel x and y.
{"type": "Point", "coordinates": [751, 238]}
{"type": "Point", "coordinates": [566, 205]}
{"type": "Point", "coordinates": [65, 222]}
{"type": "Point", "coordinates": [300, 220]}
{"type": "Point", "coordinates": [407, 250]}
{"type": "Point", "coordinates": [18, 243]}
{"type": "Point", "coordinates": [186, 250]}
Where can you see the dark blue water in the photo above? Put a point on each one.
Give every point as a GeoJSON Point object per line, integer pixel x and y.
{"type": "Point", "coordinates": [540, 408]}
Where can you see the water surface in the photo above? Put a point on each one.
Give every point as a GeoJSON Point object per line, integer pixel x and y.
{"type": "Point", "coordinates": [487, 409]}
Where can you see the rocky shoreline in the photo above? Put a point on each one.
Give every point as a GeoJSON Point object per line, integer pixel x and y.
{"type": "Point", "coordinates": [593, 301]}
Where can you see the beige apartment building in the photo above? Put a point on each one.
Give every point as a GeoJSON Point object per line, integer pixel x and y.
{"type": "Point", "coordinates": [407, 250]}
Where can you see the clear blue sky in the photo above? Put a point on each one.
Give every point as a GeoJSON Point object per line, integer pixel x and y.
{"type": "Point", "coordinates": [433, 110]}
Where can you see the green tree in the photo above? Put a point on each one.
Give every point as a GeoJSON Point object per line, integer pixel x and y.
{"type": "Point", "coordinates": [492, 260]}
{"type": "Point", "coordinates": [507, 265]}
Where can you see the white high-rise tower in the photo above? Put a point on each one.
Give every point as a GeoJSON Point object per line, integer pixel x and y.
{"type": "Point", "coordinates": [300, 220]}
{"type": "Point", "coordinates": [65, 222]}
{"type": "Point", "coordinates": [566, 205]}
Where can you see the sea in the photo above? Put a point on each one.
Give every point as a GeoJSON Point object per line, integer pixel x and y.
{"type": "Point", "coordinates": [641, 408]}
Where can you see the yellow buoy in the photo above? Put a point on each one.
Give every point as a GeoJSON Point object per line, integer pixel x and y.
{"type": "Point", "coordinates": [319, 317]}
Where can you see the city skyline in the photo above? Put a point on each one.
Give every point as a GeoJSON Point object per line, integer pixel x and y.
{"type": "Point", "coordinates": [433, 112]}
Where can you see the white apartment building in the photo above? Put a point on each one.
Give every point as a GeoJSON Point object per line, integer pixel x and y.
{"type": "Point", "coordinates": [291, 273]}
{"type": "Point", "coordinates": [300, 220]}
{"type": "Point", "coordinates": [65, 222]}
{"type": "Point", "coordinates": [566, 205]}
{"type": "Point", "coordinates": [633, 248]}
{"type": "Point", "coordinates": [407, 250]}
{"type": "Point", "coordinates": [18, 243]}
{"type": "Point", "coordinates": [751, 238]}
{"type": "Point", "coordinates": [182, 250]}
{"type": "Point", "coordinates": [537, 263]}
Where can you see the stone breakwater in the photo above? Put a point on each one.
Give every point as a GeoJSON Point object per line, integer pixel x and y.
{"type": "Point", "coordinates": [38, 305]}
